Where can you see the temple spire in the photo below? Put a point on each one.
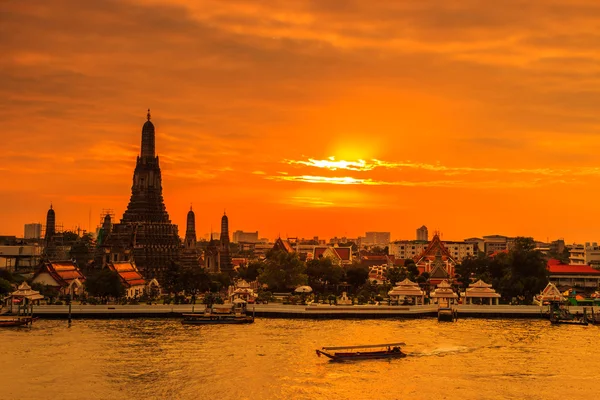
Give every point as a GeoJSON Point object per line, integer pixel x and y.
{"type": "Point", "coordinates": [148, 139]}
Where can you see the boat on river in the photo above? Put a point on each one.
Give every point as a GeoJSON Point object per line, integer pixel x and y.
{"type": "Point", "coordinates": [560, 315]}
{"type": "Point", "coordinates": [230, 313]}
{"type": "Point", "coordinates": [362, 352]}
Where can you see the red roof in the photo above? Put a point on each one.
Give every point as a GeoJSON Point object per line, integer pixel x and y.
{"type": "Point", "coordinates": [128, 272]}
{"type": "Point", "coordinates": [556, 267]}
{"type": "Point", "coordinates": [319, 252]}
{"type": "Point", "coordinates": [63, 272]}
{"type": "Point", "coordinates": [344, 252]}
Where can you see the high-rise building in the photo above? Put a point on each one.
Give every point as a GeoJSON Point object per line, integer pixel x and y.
{"type": "Point", "coordinates": [33, 231]}
{"type": "Point", "coordinates": [145, 234]}
{"type": "Point", "coordinates": [247, 237]}
{"type": "Point", "coordinates": [376, 239]}
{"type": "Point", "coordinates": [423, 233]}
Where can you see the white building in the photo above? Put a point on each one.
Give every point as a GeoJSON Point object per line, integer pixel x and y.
{"type": "Point", "coordinates": [584, 254]}
{"type": "Point", "coordinates": [248, 237]}
{"type": "Point", "coordinates": [381, 239]}
{"type": "Point", "coordinates": [423, 233]}
{"type": "Point", "coordinates": [33, 231]}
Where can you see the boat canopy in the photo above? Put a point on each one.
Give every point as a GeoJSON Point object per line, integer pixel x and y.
{"type": "Point", "coordinates": [364, 346]}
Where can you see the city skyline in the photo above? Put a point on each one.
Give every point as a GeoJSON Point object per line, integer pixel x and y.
{"type": "Point", "coordinates": [312, 119]}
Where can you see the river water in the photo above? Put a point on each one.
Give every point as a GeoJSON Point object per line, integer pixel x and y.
{"type": "Point", "coordinates": [275, 359]}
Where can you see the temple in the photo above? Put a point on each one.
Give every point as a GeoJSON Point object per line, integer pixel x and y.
{"type": "Point", "coordinates": [145, 234]}
{"type": "Point", "coordinates": [217, 256]}
{"type": "Point", "coordinates": [225, 264]}
{"type": "Point", "coordinates": [50, 250]}
{"type": "Point", "coordinates": [437, 261]}
{"type": "Point", "coordinates": [190, 256]}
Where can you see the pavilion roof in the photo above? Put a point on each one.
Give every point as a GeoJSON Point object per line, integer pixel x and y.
{"type": "Point", "coordinates": [480, 289]}
{"type": "Point", "coordinates": [406, 288]}
{"type": "Point", "coordinates": [444, 290]}
{"type": "Point", "coordinates": [25, 291]}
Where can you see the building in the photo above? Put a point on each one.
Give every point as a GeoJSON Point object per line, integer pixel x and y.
{"type": "Point", "coordinates": [246, 237]}
{"type": "Point", "coordinates": [50, 245]}
{"type": "Point", "coordinates": [190, 256]}
{"type": "Point", "coordinates": [437, 260]}
{"type": "Point", "coordinates": [414, 248]}
{"type": "Point", "coordinates": [584, 254]}
{"type": "Point", "coordinates": [145, 234]}
{"type": "Point", "coordinates": [380, 239]}
{"type": "Point", "coordinates": [338, 255]}
{"type": "Point", "coordinates": [423, 234]}
{"type": "Point", "coordinates": [497, 244]}
{"type": "Point", "coordinates": [283, 245]}
{"type": "Point", "coordinates": [33, 231]}
{"type": "Point", "coordinates": [62, 275]}
{"type": "Point", "coordinates": [217, 255]}
{"type": "Point", "coordinates": [225, 264]}
{"type": "Point", "coordinates": [134, 283]}
{"type": "Point", "coordinates": [17, 257]}
{"type": "Point", "coordinates": [581, 277]}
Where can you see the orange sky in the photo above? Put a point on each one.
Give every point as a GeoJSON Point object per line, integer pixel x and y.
{"type": "Point", "coordinates": [469, 118]}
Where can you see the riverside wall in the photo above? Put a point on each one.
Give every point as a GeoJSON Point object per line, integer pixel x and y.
{"type": "Point", "coordinates": [296, 311]}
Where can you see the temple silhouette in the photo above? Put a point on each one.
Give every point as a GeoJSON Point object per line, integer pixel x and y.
{"type": "Point", "coordinates": [145, 234]}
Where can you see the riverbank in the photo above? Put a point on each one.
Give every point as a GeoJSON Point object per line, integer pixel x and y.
{"type": "Point", "coordinates": [321, 311]}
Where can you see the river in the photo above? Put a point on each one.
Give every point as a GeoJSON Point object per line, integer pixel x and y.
{"type": "Point", "coordinates": [275, 359]}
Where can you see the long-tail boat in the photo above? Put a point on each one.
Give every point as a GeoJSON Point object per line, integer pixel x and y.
{"type": "Point", "coordinates": [362, 352]}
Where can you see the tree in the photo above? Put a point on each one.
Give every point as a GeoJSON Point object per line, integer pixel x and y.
{"type": "Point", "coordinates": [525, 272]}
{"type": "Point", "coordinates": [411, 269]}
{"type": "Point", "coordinates": [5, 287]}
{"type": "Point", "coordinates": [172, 278]}
{"type": "Point", "coordinates": [194, 280]}
{"type": "Point", "coordinates": [395, 274]}
{"type": "Point", "coordinates": [282, 271]}
{"type": "Point", "coordinates": [357, 275]}
{"type": "Point", "coordinates": [473, 268]}
{"type": "Point", "coordinates": [69, 237]}
{"type": "Point", "coordinates": [323, 272]}
{"type": "Point", "coordinates": [104, 284]}
{"type": "Point", "coordinates": [250, 272]}
{"type": "Point", "coordinates": [82, 250]}
{"type": "Point", "coordinates": [51, 292]}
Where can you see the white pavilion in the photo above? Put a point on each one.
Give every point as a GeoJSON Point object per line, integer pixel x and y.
{"type": "Point", "coordinates": [481, 290]}
{"type": "Point", "coordinates": [407, 288]}
{"type": "Point", "coordinates": [444, 294]}
{"type": "Point", "coordinates": [243, 291]}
